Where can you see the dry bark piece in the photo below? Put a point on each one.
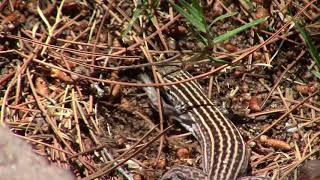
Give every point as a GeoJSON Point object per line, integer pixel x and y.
{"type": "Point", "coordinates": [71, 5]}
{"type": "Point", "coordinates": [182, 29]}
{"type": "Point", "coordinates": [55, 73]}
{"type": "Point", "coordinates": [116, 42]}
{"type": "Point", "coordinates": [275, 143]}
{"type": "Point", "coordinates": [12, 21]}
{"type": "Point", "coordinates": [217, 9]}
{"type": "Point", "coordinates": [137, 177]}
{"type": "Point", "coordinates": [239, 71]}
{"type": "Point", "coordinates": [254, 104]}
{"type": "Point", "coordinates": [116, 91]}
{"type": "Point", "coordinates": [46, 7]}
{"type": "Point", "coordinates": [88, 144]}
{"type": "Point", "coordinates": [296, 136]}
{"type": "Point", "coordinates": [161, 164]}
{"type": "Point", "coordinates": [230, 47]}
{"type": "Point", "coordinates": [182, 153]}
{"type": "Point", "coordinates": [120, 141]}
{"type": "Point", "coordinates": [125, 103]}
{"type": "Point", "coordinates": [260, 13]}
{"type": "Point", "coordinates": [245, 87]}
{"type": "Point", "coordinates": [257, 56]}
{"type": "Point", "coordinates": [41, 86]}
{"type": "Point", "coordinates": [306, 89]}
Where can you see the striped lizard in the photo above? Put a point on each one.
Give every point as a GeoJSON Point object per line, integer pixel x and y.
{"type": "Point", "coordinates": [225, 156]}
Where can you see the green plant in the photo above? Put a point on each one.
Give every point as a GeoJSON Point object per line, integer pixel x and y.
{"type": "Point", "coordinates": [142, 7]}
{"type": "Point", "coordinates": [193, 12]}
{"type": "Point", "coordinates": [311, 47]}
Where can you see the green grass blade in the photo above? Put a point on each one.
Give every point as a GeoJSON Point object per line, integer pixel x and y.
{"type": "Point", "coordinates": [317, 74]}
{"type": "Point", "coordinates": [196, 5]}
{"type": "Point", "coordinates": [312, 49]}
{"type": "Point", "coordinates": [194, 18]}
{"type": "Point", "coordinates": [222, 17]}
{"type": "Point", "coordinates": [202, 39]}
{"type": "Point", "coordinates": [193, 11]}
{"type": "Point", "coordinates": [233, 32]}
{"type": "Point", "coordinates": [135, 16]}
{"type": "Point", "coordinates": [218, 60]}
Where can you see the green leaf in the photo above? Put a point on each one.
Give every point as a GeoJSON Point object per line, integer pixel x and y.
{"type": "Point", "coordinates": [233, 32]}
{"type": "Point", "coordinates": [222, 17]}
{"type": "Point", "coordinates": [312, 49]}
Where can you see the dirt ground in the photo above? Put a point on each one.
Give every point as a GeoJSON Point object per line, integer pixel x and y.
{"type": "Point", "coordinates": [69, 85]}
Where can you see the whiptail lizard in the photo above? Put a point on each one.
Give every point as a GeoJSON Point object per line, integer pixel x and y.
{"type": "Point", "coordinates": [224, 152]}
